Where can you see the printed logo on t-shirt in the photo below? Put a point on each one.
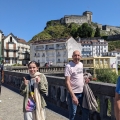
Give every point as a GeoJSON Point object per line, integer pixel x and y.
{"type": "Point", "coordinates": [79, 70]}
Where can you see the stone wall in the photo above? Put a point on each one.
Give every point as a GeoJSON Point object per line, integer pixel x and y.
{"type": "Point", "coordinates": [114, 37]}
{"type": "Point", "coordinates": [109, 28]}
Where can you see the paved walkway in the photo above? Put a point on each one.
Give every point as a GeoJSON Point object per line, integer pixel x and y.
{"type": "Point", "coordinates": [11, 107]}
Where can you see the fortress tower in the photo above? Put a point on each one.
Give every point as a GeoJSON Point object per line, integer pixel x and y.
{"type": "Point", "coordinates": [89, 16]}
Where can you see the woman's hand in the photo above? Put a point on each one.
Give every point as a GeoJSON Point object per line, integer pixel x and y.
{"type": "Point", "coordinates": [37, 79]}
{"type": "Point", "coordinates": [25, 81]}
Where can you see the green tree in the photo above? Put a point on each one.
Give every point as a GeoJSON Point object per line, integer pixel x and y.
{"type": "Point", "coordinates": [106, 75]}
{"type": "Point", "coordinates": [73, 29]}
{"type": "Point", "coordinates": [73, 33]}
{"type": "Point", "coordinates": [85, 30]}
{"type": "Point", "coordinates": [97, 32]}
{"type": "Point", "coordinates": [111, 47]}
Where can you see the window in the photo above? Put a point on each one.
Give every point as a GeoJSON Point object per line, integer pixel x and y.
{"type": "Point", "coordinates": [43, 55]}
{"type": "Point", "coordinates": [88, 61]}
{"type": "Point", "coordinates": [58, 54]}
{"type": "Point", "coordinates": [96, 61]}
{"type": "Point", "coordinates": [10, 39]}
{"type": "Point", "coordinates": [81, 61]}
{"type": "Point", "coordinates": [58, 60]}
{"type": "Point", "coordinates": [101, 61]}
{"type": "Point", "coordinates": [57, 45]}
{"type": "Point", "coordinates": [105, 61]}
{"type": "Point", "coordinates": [118, 58]}
{"type": "Point", "coordinates": [104, 46]}
{"type": "Point", "coordinates": [64, 53]}
{"type": "Point", "coordinates": [35, 54]}
{"type": "Point", "coordinates": [7, 54]}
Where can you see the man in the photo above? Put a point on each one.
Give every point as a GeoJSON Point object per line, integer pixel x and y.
{"type": "Point", "coordinates": [117, 100]}
{"type": "Point", "coordinates": [74, 83]}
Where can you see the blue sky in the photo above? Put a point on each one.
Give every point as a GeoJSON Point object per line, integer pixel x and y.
{"type": "Point", "coordinates": [26, 18]}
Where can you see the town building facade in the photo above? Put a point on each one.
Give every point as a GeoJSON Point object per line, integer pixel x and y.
{"type": "Point", "coordinates": [95, 47]}
{"type": "Point", "coordinates": [15, 50]}
{"type": "Point", "coordinates": [115, 53]}
{"type": "Point", "coordinates": [54, 52]}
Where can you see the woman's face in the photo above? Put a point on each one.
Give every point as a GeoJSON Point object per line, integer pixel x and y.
{"type": "Point", "coordinates": [32, 68]}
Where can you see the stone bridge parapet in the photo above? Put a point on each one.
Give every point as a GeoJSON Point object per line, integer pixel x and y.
{"type": "Point", "coordinates": [57, 93]}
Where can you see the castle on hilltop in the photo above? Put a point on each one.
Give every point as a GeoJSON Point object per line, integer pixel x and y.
{"type": "Point", "coordinates": [86, 17]}
{"type": "Point", "coordinates": [79, 19]}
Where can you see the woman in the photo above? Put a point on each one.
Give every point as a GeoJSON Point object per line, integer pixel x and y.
{"type": "Point", "coordinates": [33, 88]}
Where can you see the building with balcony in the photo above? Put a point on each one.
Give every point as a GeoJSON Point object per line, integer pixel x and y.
{"type": "Point", "coordinates": [95, 47]}
{"type": "Point", "coordinates": [55, 52]}
{"type": "Point", "coordinates": [15, 50]}
{"type": "Point", "coordinates": [115, 53]}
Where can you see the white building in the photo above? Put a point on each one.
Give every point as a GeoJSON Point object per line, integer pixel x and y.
{"type": "Point", "coordinates": [55, 51]}
{"type": "Point", "coordinates": [15, 50]}
{"type": "Point", "coordinates": [93, 47]}
{"type": "Point", "coordinates": [115, 53]}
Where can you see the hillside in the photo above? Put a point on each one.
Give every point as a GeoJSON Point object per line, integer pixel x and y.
{"type": "Point", "coordinates": [54, 30]}
{"type": "Point", "coordinates": [113, 45]}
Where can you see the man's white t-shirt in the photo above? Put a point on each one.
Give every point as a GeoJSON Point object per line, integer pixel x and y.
{"type": "Point", "coordinates": [75, 71]}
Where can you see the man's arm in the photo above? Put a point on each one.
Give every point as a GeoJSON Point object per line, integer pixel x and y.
{"type": "Point", "coordinates": [117, 106]}
{"type": "Point", "coordinates": [74, 98]}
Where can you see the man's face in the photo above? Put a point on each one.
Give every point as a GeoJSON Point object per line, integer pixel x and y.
{"type": "Point", "coordinates": [76, 57]}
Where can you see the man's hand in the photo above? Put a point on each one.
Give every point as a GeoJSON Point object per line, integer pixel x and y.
{"type": "Point", "coordinates": [75, 100]}
{"type": "Point", "coordinates": [87, 80]}
{"type": "Point", "coordinates": [25, 81]}
{"type": "Point", "coordinates": [2, 81]}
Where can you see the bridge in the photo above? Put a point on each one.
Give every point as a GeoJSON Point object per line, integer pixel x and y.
{"type": "Point", "coordinates": [56, 99]}
{"type": "Point", "coordinates": [11, 107]}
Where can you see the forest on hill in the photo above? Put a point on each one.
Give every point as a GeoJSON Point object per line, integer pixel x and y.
{"type": "Point", "coordinates": [55, 30]}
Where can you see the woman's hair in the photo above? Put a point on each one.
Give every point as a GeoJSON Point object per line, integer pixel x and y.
{"type": "Point", "coordinates": [34, 63]}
